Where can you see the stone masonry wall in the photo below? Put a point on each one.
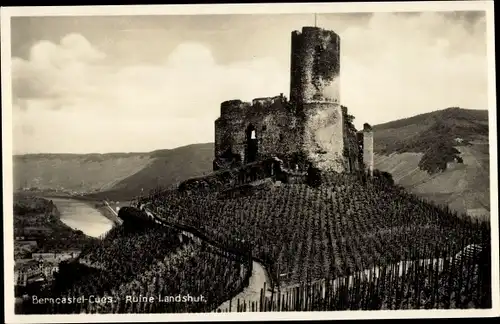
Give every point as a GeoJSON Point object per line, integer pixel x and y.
{"type": "Point", "coordinates": [315, 66]}
{"type": "Point", "coordinates": [271, 120]}
{"type": "Point", "coordinates": [323, 141]}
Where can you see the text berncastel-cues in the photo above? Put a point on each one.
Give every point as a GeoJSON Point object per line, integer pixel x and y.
{"type": "Point", "coordinates": [128, 299]}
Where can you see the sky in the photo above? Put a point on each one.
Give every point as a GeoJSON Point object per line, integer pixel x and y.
{"type": "Point", "coordinates": [141, 83]}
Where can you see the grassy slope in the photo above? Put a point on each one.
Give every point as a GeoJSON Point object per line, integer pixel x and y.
{"type": "Point", "coordinates": [416, 133]}
{"type": "Point", "coordinates": [400, 146]}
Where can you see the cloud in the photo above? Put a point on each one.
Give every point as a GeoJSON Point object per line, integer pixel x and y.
{"type": "Point", "coordinates": [402, 65]}
{"type": "Point", "coordinates": [74, 102]}
{"type": "Point", "coordinates": [70, 96]}
{"type": "Point", "coordinates": [57, 71]}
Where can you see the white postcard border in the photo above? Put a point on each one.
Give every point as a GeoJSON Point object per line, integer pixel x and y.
{"type": "Point", "coordinates": [7, 13]}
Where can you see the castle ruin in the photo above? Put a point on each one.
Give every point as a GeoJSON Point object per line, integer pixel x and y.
{"type": "Point", "coordinates": [310, 129]}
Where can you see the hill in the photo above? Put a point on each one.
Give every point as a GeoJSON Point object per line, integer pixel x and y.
{"type": "Point", "coordinates": [344, 225]}
{"type": "Point", "coordinates": [442, 156]}
{"type": "Point", "coordinates": [167, 168]}
{"type": "Point", "coordinates": [118, 175]}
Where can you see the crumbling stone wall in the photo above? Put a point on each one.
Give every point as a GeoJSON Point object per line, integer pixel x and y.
{"type": "Point", "coordinates": [270, 118]}
{"type": "Point", "coordinates": [323, 137]}
{"type": "Point", "coordinates": [352, 152]}
{"type": "Point", "coordinates": [230, 178]}
{"type": "Point", "coordinates": [368, 148]}
{"type": "Point", "coordinates": [230, 130]}
{"type": "Point", "coordinates": [359, 137]}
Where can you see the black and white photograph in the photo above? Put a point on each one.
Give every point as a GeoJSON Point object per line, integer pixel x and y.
{"type": "Point", "coordinates": [218, 162]}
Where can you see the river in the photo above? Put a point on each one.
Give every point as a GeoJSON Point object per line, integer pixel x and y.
{"type": "Point", "coordinates": [82, 216]}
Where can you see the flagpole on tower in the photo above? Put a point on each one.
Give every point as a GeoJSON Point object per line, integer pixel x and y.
{"type": "Point", "coordinates": [315, 20]}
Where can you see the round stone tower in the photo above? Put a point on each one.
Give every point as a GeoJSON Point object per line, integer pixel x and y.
{"type": "Point", "coordinates": [315, 92]}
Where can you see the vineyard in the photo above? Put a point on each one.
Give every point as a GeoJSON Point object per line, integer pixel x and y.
{"type": "Point", "coordinates": [338, 229]}
{"type": "Point", "coordinates": [341, 227]}
{"type": "Point", "coordinates": [150, 262]}
{"type": "Point", "coordinates": [438, 283]}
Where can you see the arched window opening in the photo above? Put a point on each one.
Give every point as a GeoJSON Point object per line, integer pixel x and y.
{"type": "Point", "coordinates": [251, 149]}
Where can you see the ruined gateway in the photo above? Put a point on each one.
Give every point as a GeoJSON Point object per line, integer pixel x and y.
{"type": "Point", "coordinates": [310, 129]}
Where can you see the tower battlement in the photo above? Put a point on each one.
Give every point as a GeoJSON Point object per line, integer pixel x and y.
{"type": "Point", "coordinates": [315, 66]}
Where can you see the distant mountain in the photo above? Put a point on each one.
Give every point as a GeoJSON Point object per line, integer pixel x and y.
{"type": "Point", "coordinates": [442, 155]}
{"type": "Point", "coordinates": [167, 168]}
{"type": "Point", "coordinates": [117, 176]}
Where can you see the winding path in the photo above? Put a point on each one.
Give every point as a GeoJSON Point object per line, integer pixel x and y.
{"type": "Point", "coordinates": [257, 281]}
{"type": "Point", "coordinates": [251, 293]}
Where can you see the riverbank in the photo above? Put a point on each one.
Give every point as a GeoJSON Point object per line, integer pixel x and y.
{"type": "Point", "coordinates": [41, 233]}
{"type": "Point", "coordinates": [108, 212]}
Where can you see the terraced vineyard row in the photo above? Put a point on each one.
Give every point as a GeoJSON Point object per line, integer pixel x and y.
{"type": "Point", "coordinates": [448, 284]}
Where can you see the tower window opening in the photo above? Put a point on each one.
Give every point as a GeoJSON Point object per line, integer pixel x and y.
{"type": "Point", "coordinates": [252, 135]}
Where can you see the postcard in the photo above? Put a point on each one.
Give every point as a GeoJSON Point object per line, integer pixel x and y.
{"type": "Point", "coordinates": [249, 162]}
